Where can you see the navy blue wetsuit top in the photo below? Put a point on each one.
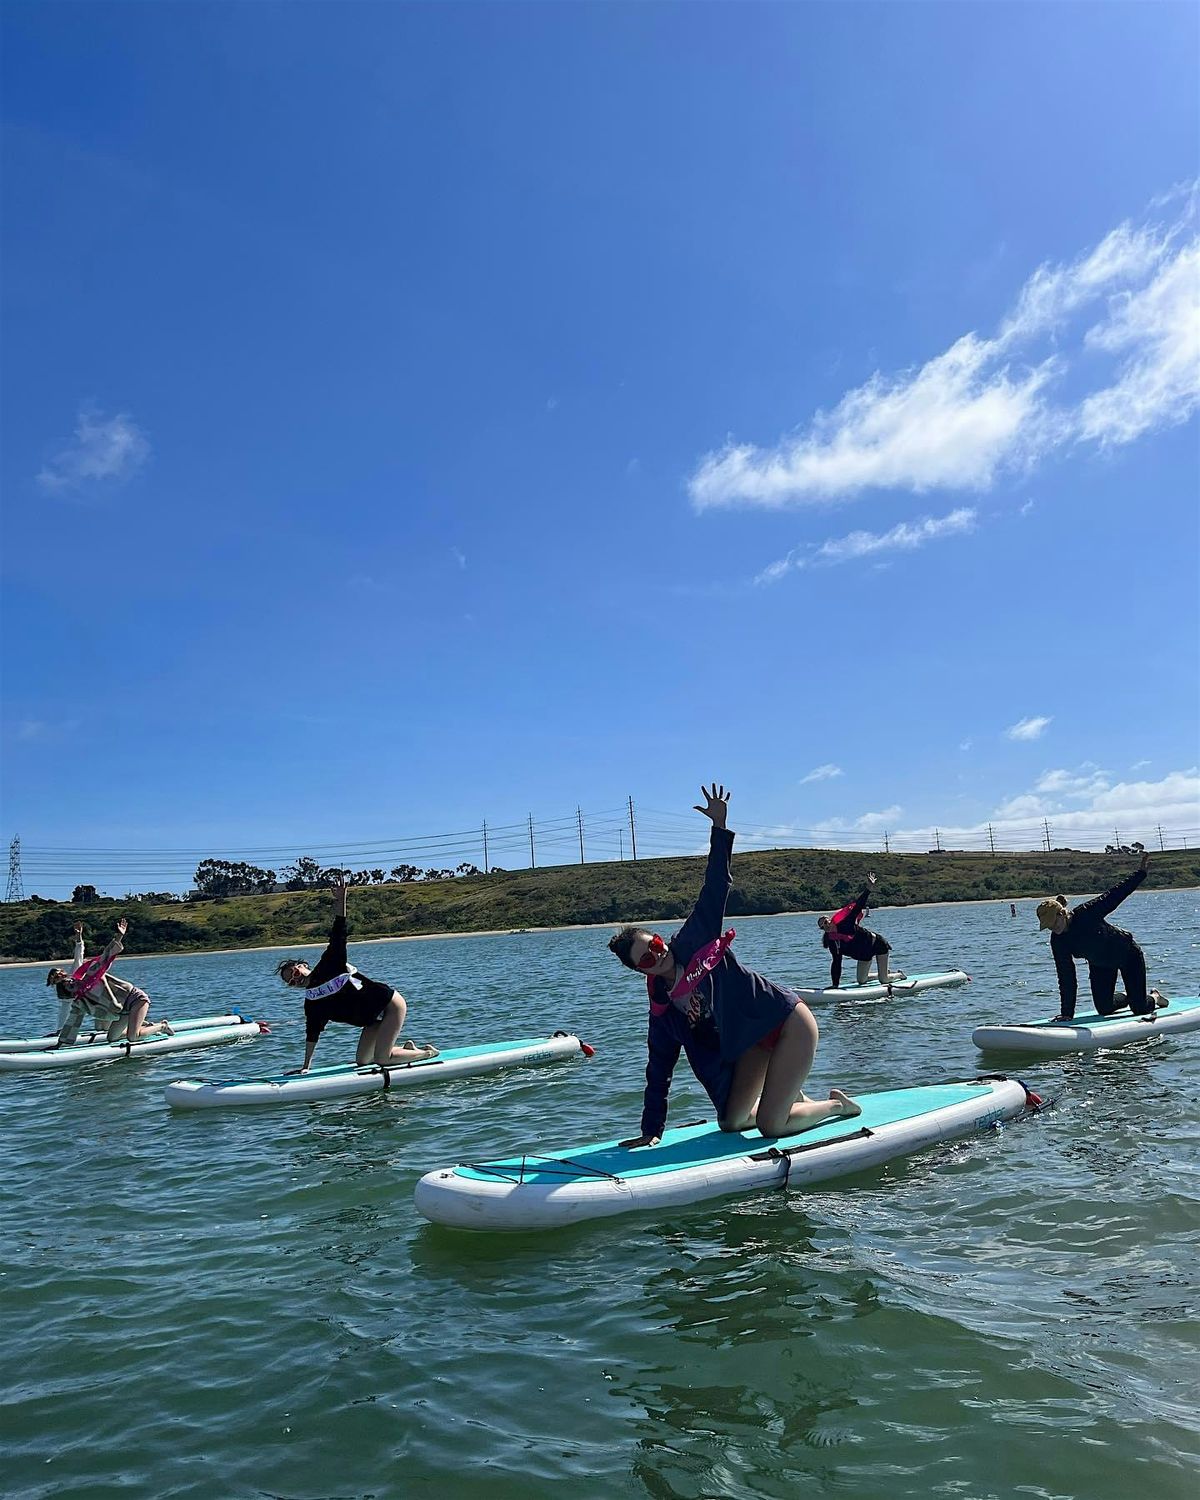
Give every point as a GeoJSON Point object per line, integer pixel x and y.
{"type": "Point", "coordinates": [1089, 936]}
{"type": "Point", "coordinates": [738, 1007]}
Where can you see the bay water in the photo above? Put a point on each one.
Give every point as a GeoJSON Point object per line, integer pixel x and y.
{"type": "Point", "coordinates": [246, 1304]}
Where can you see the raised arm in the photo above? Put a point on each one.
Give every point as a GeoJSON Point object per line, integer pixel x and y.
{"type": "Point", "coordinates": [116, 944]}
{"type": "Point", "coordinates": [708, 914]}
{"type": "Point", "coordinates": [333, 960]}
{"type": "Point", "coordinates": [78, 943]}
{"type": "Point", "coordinates": [1099, 906]}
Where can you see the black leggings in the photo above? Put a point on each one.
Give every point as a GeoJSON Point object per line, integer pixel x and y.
{"type": "Point", "coordinates": [1132, 969]}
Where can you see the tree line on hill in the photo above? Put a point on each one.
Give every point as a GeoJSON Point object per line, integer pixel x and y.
{"type": "Point", "coordinates": [216, 878]}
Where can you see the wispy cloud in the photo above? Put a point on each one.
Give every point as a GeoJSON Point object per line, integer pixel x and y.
{"type": "Point", "coordinates": [1082, 808]}
{"type": "Point", "coordinates": [985, 404]}
{"type": "Point", "coordinates": [459, 556]}
{"type": "Point", "coordinates": [105, 450]}
{"type": "Point", "coordinates": [905, 537]}
{"type": "Point", "coordinates": [822, 773]}
{"type": "Point", "coordinates": [1029, 729]}
{"type": "Point", "coordinates": [1139, 765]}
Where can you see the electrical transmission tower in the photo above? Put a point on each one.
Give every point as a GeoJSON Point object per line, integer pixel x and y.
{"type": "Point", "coordinates": [16, 891]}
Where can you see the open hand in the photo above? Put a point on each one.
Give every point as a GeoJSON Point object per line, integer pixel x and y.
{"type": "Point", "coordinates": [78, 929]}
{"type": "Point", "coordinates": [871, 878]}
{"type": "Point", "coordinates": [717, 804]}
{"type": "Point", "coordinates": [122, 926]}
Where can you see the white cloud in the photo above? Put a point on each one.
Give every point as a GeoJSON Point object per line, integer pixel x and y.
{"type": "Point", "coordinates": [1159, 383]}
{"type": "Point", "coordinates": [966, 744]}
{"type": "Point", "coordinates": [907, 536]}
{"type": "Point", "coordinates": [1029, 729]}
{"type": "Point", "coordinates": [984, 404]}
{"type": "Point", "coordinates": [1083, 783]}
{"type": "Point", "coordinates": [1139, 765]}
{"type": "Point", "coordinates": [104, 450]}
{"type": "Point", "coordinates": [822, 773]}
{"type": "Point", "coordinates": [1134, 809]}
{"type": "Point", "coordinates": [1026, 508]}
{"type": "Point", "coordinates": [459, 557]}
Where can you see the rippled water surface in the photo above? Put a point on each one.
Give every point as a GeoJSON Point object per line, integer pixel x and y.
{"type": "Point", "coordinates": [247, 1304]}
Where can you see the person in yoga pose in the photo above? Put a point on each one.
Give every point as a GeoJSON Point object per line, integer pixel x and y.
{"type": "Point", "coordinates": [336, 991]}
{"type": "Point", "coordinates": [842, 934]}
{"type": "Point", "coordinates": [749, 1041]}
{"type": "Point", "coordinates": [1082, 932]}
{"type": "Point", "coordinates": [115, 1005]}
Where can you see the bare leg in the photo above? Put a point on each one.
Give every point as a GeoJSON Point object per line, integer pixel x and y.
{"type": "Point", "coordinates": [742, 1104]}
{"type": "Point", "coordinates": [768, 1086]}
{"type": "Point", "coordinates": [783, 1107]}
{"type": "Point", "coordinates": [375, 1044]}
{"type": "Point", "coordinates": [864, 970]}
{"type": "Point", "coordinates": [881, 964]}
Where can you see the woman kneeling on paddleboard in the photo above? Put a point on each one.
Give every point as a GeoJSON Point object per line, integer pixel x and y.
{"type": "Point", "coordinates": [1083, 933]}
{"type": "Point", "coordinates": [841, 934]}
{"type": "Point", "coordinates": [336, 991]}
{"type": "Point", "coordinates": [114, 1004]}
{"type": "Point", "coordinates": [750, 1042]}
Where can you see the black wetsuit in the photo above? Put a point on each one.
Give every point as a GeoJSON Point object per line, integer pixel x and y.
{"type": "Point", "coordinates": [1108, 950]}
{"type": "Point", "coordinates": [352, 1007]}
{"type": "Point", "coordinates": [853, 941]}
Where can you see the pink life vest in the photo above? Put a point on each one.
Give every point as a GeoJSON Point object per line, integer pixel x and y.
{"type": "Point", "coordinates": [88, 975]}
{"type": "Point", "coordinates": [701, 964]}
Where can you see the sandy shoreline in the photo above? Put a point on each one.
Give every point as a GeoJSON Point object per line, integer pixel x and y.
{"type": "Point", "coordinates": [425, 937]}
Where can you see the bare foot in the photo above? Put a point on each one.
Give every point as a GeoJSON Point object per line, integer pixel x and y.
{"type": "Point", "coordinates": [847, 1105]}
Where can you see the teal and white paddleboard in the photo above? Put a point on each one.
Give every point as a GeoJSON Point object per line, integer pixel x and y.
{"type": "Point", "coordinates": [898, 989]}
{"type": "Point", "coordinates": [98, 1039]}
{"type": "Point", "coordinates": [696, 1162]}
{"type": "Point", "coordinates": [1089, 1032]}
{"type": "Point", "coordinates": [153, 1046]}
{"type": "Point", "coordinates": [345, 1080]}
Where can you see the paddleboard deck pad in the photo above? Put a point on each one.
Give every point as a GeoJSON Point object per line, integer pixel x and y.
{"type": "Point", "coordinates": [153, 1046]}
{"type": "Point", "coordinates": [346, 1080]}
{"type": "Point", "coordinates": [97, 1038]}
{"type": "Point", "coordinates": [1089, 1032]}
{"type": "Point", "coordinates": [696, 1162]}
{"type": "Point", "coordinates": [899, 989]}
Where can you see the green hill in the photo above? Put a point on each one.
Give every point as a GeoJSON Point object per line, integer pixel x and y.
{"type": "Point", "coordinates": [651, 890]}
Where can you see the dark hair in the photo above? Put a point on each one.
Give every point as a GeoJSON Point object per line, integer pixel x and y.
{"type": "Point", "coordinates": [622, 943]}
{"type": "Point", "coordinates": [286, 963]}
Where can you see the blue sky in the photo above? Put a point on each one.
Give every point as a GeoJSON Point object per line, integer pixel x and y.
{"type": "Point", "coordinates": [418, 414]}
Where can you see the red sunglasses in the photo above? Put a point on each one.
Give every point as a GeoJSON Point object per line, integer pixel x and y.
{"type": "Point", "coordinates": [654, 951]}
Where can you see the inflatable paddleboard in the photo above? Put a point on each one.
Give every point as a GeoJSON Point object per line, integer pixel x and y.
{"type": "Point", "coordinates": [97, 1038]}
{"type": "Point", "coordinates": [346, 1080]}
{"type": "Point", "coordinates": [1090, 1032]}
{"type": "Point", "coordinates": [912, 984]}
{"type": "Point", "coordinates": [153, 1046]}
{"type": "Point", "coordinates": [696, 1162]}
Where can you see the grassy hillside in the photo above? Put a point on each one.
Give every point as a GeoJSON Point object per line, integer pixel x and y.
{"type": "Point", "coordinates": [652, 890]}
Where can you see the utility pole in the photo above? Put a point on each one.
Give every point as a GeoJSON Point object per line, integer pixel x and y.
{"type": "Point", "coordinates": [1117, 839]}
{"type": "Point", "coordinates": [632, 830]}
{"type": "Point", "coordinates": [621, 836]}
{"type": "Point", "coordinates": [887, 848]}
{"type": "Point", "coordinates": [1161, 845]}
{"type": "Point", "coordinates": [579, 820]}
{"type": "Point", "coordinates": [937, 838]}
{"type": "Point", "coordinates": [16, 891]}
{"type": "Point", "coordinates": [532, 861]}
{"type": "Point", "coordinates": [1046, 826]}
{"type": "Point", "coordinates": [992, 840]}
{"type": "Point", "coordinates": [487, 869]}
